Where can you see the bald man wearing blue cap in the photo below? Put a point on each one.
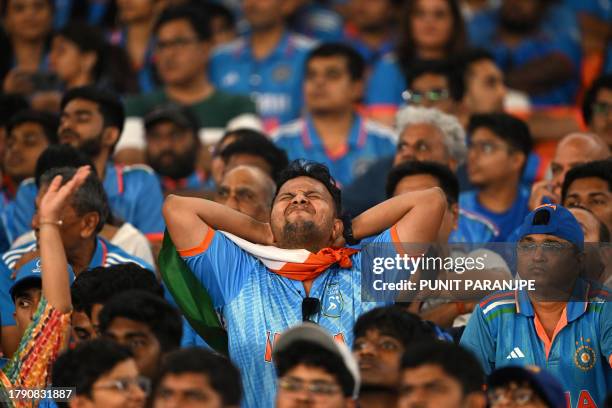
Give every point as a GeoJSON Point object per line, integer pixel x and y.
{"type": "Point", "coordinates": [564, 326]}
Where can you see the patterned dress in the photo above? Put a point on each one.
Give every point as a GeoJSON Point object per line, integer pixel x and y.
{"type": "Point", "coordinates": [40, 345]}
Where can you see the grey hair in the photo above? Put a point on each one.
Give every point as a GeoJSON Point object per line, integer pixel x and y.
{"type": "Point", "coordinates": [90, 197]}
{"type": "Point", "coordinates": [448, 125]}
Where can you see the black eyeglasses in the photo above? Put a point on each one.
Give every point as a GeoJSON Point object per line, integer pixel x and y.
{"type": "Point", "coordinates": [310, 307]}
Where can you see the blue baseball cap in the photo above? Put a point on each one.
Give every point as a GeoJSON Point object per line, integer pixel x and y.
{"type": "Point", "coordinates": [553, 219]}
{"type": "Point", "coordinates": [543, 383]}
{"type": "Point", "coordinates": [30, 273]}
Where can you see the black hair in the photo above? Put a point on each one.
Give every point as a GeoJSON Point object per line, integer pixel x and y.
{"type": "Point", "coordinates": [603, 82]}
{"type": "Point", "coordinates": [471, 56]}
{"type": "Point", "coordinates": [604, 232]}
{"type": "Point", "coordinates": [87, 39]}
{"type": "Point", "coordinates": [48, 121]}
{"type": "Point", "coordinates": [355, 64]}
{"type": "Point", "coordinates": [313, 170]}
{"type": "Point", "coordinates": [312, 355]}
{"type": "Point", "coordinates": [601, 169]}
{"type": "Point", "coordinates": [395, 322]}
{"type": "Point", "coordinates": [10, 104]}
{"type": "Point", "coordinates": [21, 287]}
{"type": "Point", "coordinates": [454, 360]}
{"type": "Point", "coordinates": [90, 197]}
{"type": "Point", "coordinates": [241, 133]}
{"type": "Point", "coordinates": [406, 49]}
{"type": "Point", "coordinates": [446, 178]}
{"type": "Point", "coordinates": [445, 68]}
{"type": "Point", "coordinates": [216, 10]}
{"type": "Point", "coordinates": [108, 102]}
{"type": "Point", "coordinates": [510, 129]}
{"type": "Point", "coordinates": [200, 23]}
{"type": "Point", "coordinates": [60, 155]}
{"type": "Point", "coordinates": [144, 307]}
{"type": "Point", "coordinates": [98, 285]}
{"type": "Point", "coordinates": [258, 145]}
{"type": "Point", "coordinates": [82, 366]}
{"type": "Point", "coordinates": [222, 375]}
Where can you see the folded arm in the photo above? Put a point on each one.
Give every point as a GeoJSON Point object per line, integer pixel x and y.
{"type": "Point", "coordinates": [417, 216]}
{"type": "Point", "coordinates": [188, 220]}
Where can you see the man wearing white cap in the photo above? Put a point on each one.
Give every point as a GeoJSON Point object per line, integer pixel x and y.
{"type": "Point", "coordinates": [314, 370]}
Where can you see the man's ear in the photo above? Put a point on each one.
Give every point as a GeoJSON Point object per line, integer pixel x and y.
{"type": "Point", "coordinates": [89, 222]}
{"type": "Point", "coordinates": [518, 160]}
{"type": "Point", "coordinates": [338, 233]}
{"type": "Point", "coordinates": [110, 136]}
{"type": "Point", "coordinates": [358, 89]}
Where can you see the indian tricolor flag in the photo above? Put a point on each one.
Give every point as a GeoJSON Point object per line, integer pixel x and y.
{"type": "Point", "coordinates": [194, 300]}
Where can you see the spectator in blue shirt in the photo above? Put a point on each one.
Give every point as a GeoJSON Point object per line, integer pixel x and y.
{"type": "Point", "coordinates": [267, 64]}
{"type": "Point", "coordinates": [428, 30]}
{"type": "Point", "coordinates": [573, 150]}
{"type": "Point", "coordinates": [91, 121]}
{"type": "Point", "coordinates": [425, 134]}
{"type": "Point", "coordinates": [597, 108]}
{"type": "Point", "coordinates": [536, 59]}
{"type": "Point", "coordinates": [331, 131]}
{"type": "Point", "coordinates": [372, 27]}
{"type": "Point", "coordinates": [135, 36]}
{"type": "Point", "coordinates": [497, 153]}
{"type": "Point", "coordinates": [563, 325]}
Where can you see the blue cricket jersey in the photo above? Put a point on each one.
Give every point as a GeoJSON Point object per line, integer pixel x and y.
{"type": "Point", "coordinates": [474, 228]}
{"type": "Point", "coordinates": [257, 305]}
{"type": "Point", "coordinates": [105, 254]}
{"type": "Point", "coordinates": [275, 82]}
{"type": "Point", "coordinates": [385, 86]}
{"type": "Point", "coordinates": [133, 192]}
{"type": "Point", "coordinates": [504, 330]}
{"type": "Point", "coordinates": [505, 223]}
{"type": "Point", "coordinates": [366, 142]}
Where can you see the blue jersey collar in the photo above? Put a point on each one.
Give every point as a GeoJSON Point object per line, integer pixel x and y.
{"type": "Point", "coordinates": [99, 256]}
{"type": "Point", "coordinates": [357, 134]}
{"type": "Point", "coordinates": [575, 308]}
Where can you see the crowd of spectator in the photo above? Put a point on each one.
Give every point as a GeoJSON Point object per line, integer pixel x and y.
{"type": "Point", "coordinates": [190, 191]}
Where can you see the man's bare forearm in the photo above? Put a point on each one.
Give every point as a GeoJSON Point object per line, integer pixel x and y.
{"type": "Point", "coordinates": [188, 219]}
{"type": "Point", "coordinates": [390, 212]}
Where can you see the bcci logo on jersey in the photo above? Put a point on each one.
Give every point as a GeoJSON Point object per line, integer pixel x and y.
{"type": "Point", "coordinates": [584, 357]}
{"type": "Point", "coordinates": [333, 303]}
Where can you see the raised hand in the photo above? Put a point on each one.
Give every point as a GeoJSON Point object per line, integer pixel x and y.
{"type": "Point", "coordinates": [57, 195]}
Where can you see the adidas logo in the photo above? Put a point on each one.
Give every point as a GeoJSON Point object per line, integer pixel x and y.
{"type": "Point", "coordinates": [516, 353]}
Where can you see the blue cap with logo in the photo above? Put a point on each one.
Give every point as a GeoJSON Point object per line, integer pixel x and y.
{"type": "Point", "coordinates": [546, 386]}
{"type": "Point", "coordinates": [553, 219]}
{"type": "Point", "coordinates": [30, 272]}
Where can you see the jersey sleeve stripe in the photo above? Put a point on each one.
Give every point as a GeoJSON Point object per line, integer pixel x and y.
{"type": "Point", "coordinates": [155, 237]}
{"type": "Point", "coordinates": [493, 298]}
{"type": "Point", "coordinates": [202, 247]}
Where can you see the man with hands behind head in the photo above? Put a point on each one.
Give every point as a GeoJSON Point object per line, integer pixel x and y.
{"type": "Point", "coordinates": [259, 299]}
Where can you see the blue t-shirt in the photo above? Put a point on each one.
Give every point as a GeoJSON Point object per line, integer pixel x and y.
{"type": "Point", "coordinates": [504, 330]}
{"type": "Point", "coordinates": [257, 305]}
{"type": "Point", "coordinates": [105, 254]}
{"type": "Point", "coordinates": [505, 222]}
{"type": "Point", "coordinates": [370, 55]}
{"type": "Point", "coordinates": [473, 228]}
{"type": "Point", "coordinates": [275, 82]}
{"type": "Point", "coordinates": [133, 192]}
{"type": "Point", "coordinates": [367, 142]}
{"type": "Point", "coordinates": [551, 39]}
{"type": "Point", "coordinates": [385, 85]}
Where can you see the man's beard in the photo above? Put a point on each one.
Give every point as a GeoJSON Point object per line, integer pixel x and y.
{"type": "Point", "coordinates": [91, 147]}
{"type": "Point", "coordinates": [301, 235]}
{"type": "Point", "coordinates": [181, 165]}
